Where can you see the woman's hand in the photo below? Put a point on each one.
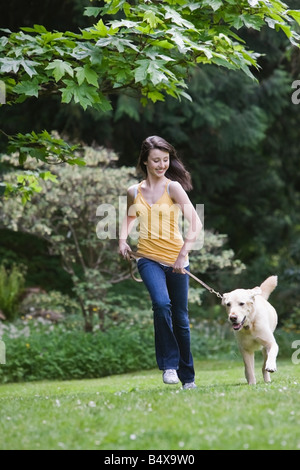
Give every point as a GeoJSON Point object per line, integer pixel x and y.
{"type": "Point", "coordinates": [124, 248]}
{"type": "Point", "coordinates": [179, 264]}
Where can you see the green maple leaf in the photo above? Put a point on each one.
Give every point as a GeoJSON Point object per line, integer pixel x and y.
{"type": "Point", "coordinates": [84, 94]}
{"type": "Point", "coordinates": [88, 74]}
{"type": "Point", "coordinates": [60, 68]}
{"type": "Point", "coordinates": [28, 88]}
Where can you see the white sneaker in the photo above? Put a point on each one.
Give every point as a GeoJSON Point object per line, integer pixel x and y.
{"type": "Point", "coordinates": [170, 377]}
{"type": "Point", "coordinates": [189, 386]}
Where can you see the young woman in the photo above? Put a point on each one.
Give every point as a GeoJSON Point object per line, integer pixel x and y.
{"type": "Point", "coordinates": [157, 201]}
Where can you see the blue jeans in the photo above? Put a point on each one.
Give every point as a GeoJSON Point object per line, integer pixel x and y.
{"type": "Point", "coordinates": [169, 295]}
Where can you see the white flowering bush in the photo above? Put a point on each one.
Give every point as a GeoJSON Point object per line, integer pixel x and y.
{"type": "Point", "coordinates": [58, 305]}
{"type": "Point", "coordinates": [64, 213]}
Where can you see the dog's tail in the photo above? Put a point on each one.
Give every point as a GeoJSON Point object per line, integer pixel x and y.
{"type": "Point", "coordinates": [268, 286]}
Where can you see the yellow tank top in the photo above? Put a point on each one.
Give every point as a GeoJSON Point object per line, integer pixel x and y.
{"type": "Point", "coordinates": [160, 236]}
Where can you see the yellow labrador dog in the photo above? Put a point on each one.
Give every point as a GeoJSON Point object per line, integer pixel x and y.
{"type": "Point", "coordinates": [254, 320]}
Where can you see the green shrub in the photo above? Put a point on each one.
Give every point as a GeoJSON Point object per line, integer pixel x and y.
{"type": "Point", "coordinates": [12, 283]}
{"type": "Point", "coordinates": [292, 323]}
{"type": "Point", "coordinates": [38, 350]}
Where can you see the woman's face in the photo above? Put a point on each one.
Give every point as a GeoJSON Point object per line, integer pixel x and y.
{"type": "Point", "coordinates": [158, 162]}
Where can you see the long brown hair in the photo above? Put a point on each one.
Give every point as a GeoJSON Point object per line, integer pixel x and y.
{"type": "Point", "coordinates": [176, 170]}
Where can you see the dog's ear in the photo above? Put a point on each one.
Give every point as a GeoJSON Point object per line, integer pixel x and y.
{"type": "Point", "coordinates": [224, 299]}
{"type": "Point", "coordinates": [256, 291]}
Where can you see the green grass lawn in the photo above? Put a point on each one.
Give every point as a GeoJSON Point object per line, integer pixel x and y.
{"type": "Point", "coordinates": [137, 411]}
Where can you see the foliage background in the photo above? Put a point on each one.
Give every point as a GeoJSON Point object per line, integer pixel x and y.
{"type": "Point", "coordinates": [239, 139]}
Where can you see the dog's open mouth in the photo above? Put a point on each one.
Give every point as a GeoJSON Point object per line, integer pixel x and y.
{"type": "Point", "coordinates": [239, 326]}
